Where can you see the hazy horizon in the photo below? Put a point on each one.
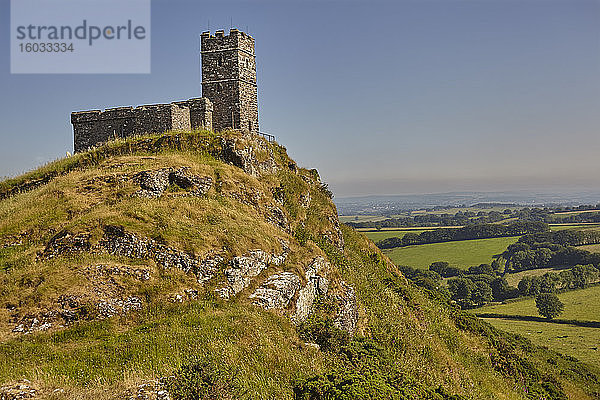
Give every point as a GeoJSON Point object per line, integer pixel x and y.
{"type": "Point", "coordinates": [381, 97]}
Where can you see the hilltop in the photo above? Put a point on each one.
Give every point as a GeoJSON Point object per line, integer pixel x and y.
{"type": "Point", "coordinates": [203, 265]}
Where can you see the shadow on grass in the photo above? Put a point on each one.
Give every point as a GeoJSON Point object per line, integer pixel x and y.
{"type": "Point", "coordinates": [587, 324]}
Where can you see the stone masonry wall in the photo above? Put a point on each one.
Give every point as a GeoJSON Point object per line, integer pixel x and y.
{"type": "Point", "coordinates": [95, 127]}
{"type": "Point", "coordinates": [229, 99]}
{"type": "Point", "coordinates": [229, 79]}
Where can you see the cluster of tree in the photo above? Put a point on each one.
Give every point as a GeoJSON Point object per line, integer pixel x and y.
{"type": "Point", "coordinates": [458, 219]}
{"type": "Point", "coordinates": [479, 285]}
{"type": "Point", "coordinates": [475, 231]}
{"type": "Point", "coordinates": [577, 277]}
{"type": "Point", "coordinates": [551, 249]}
{"type": "Point", "coordinates": [473, 287]}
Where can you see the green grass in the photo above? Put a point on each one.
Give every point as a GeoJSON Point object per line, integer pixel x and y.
{"type": "Point", "coordinates": [580, 342]}
{"type": "Point", "coordinates": [461, 254]}
{"type": "Point", "coordinates": [158, 340]}
{"type": "Point", "coordinates": [562, 227]}
{"type": "Point", "coordinates": [580, 304]}
{"type": "Point", "coordinates": [575, 341]}
{"type": "Point", "coordinates": [592, 248]}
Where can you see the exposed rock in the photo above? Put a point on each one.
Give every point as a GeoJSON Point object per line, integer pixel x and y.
{"type": "Point", "coordinates": [305, 199]}
{"type": "Point", "coordinates": [277, 217]}
{"type": "Point", "coordinates": [335, 236]}
{"type": "Point", "coordinates": [95, 271]}
{"type": "Point", "coordinates": [13, 240]}
{"type": "Point", "coordinates": [149, 390]}
{"type": "Point", "coordinates": [244, 268]}
{"type": "Point", "coordinates": [75, 308]}
{"type": "Point", "coordinates": [197, 185]}
{"type": "Point", "coordinates": [276, 291]}
{"type": "Point", "coordinates": [154, 183]}
{"type": "Point", "coordinates": [187, 295]}
{"type": "Point", "coordinates": [20, 390]}
{"type": "Point", "coordinates": [41, 322]}
{"type": "Point", "coordinates": [316, 285]}
{"type": "Point", "coordinates": [118, 242]}
{"type": "Point", "coordinates": [111, 307]}
{"type": "Point", "coordinates": [64, 243]}
{"type": "Point", "coordinates": [313, 346]}
{"type": "Point", "coordinates": [208, 267]}
{"type": "Point", "coordinates": [245, 155]}
{"type": "Point", "coordinates": [347, 316]}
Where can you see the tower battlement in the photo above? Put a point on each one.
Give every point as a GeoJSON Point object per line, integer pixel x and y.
{"type": "Point", "coordinates": [229, 79]}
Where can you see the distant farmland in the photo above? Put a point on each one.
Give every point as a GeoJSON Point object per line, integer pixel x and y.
{"type": "Point", "coordinates": [461, 254]}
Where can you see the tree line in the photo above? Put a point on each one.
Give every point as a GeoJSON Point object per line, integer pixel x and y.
{"type": "Point", "coordinates": [549, 215]}
{"type": "Point", "coordinates": [551, 249]}
{"type": "Point", "coordinates": [474, 231]}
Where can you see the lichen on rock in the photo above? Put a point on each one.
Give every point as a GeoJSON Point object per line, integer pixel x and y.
{"type": "Point", "coordinates": [277, 291]}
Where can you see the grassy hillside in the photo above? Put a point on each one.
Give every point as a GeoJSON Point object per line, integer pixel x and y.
{"type": "Point", "coordinates": [108, 287]}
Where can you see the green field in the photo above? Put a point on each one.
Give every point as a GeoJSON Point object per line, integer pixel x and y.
{"type": "Point", "coordinates": [461, 254]}
{"type": "Point", "coordinates": [592, 248]}
{"type": "Point", "coordinates": [586, 226]}
{"type": "Point", "coordinates": [376, 236]}
{"type": "Point", "coordinates": [583, 305]}
{"type": "Point", "coordinates": [361, 218]}
{"type": "Point", "coordinates": [576, 341]}
{"type": "Point", "coordinates": [580, 342]}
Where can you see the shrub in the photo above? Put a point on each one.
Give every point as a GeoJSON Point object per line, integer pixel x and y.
{"type": "Point", "coordinates": [321, 330]}
{"type": "Point", "coordinates": [200, 379]}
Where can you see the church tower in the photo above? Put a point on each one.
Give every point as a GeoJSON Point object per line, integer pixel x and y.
{"type": "Point", "coordinates": [229, 79]}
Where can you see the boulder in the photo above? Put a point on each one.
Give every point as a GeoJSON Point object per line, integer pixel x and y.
{"type": "Point", "coordinates": [276, 291]}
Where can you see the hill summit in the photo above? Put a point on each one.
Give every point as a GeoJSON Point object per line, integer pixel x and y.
{"type": "Point", "coordinates": [202, 265]}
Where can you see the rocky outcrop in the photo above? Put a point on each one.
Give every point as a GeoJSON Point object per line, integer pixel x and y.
{"type": "Point", "coordinates": [277, 217]}
{"type": "Point", "coordinates": [66, 243]}
{"type": "Point", "coordinates": [95, 272]}
{"type": "Point", "coordinates": [316, 285]}
{"type": "Point", "coordinates": [255, 157]}
{"type": "Point", "coordinates": [277, 291]}
{"type": "Point", "coordinates": [111, 307]}
{"type": "Point", "coordinates": [335, 235]}
{"type": "Point", "coordinates": [119, 242]}
{"type": "Point", "coordinates": [17, 391]}
{"type": "Point", "coordinates": [245, 268]}
{"type": "Point", "coordinates": [347, 315]}
{"type": "Point", "coordinates": [71, 308]}
{"type": "Point", "coordinates": [305, 199]}
{"type": "Point", "coordinates": [187, 295]}
{"type": "Point", "coordinates": [154, 183]}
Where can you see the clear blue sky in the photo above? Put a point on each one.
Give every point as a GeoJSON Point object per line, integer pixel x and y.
{"type": "Point", "coordinates": [380, 97]}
